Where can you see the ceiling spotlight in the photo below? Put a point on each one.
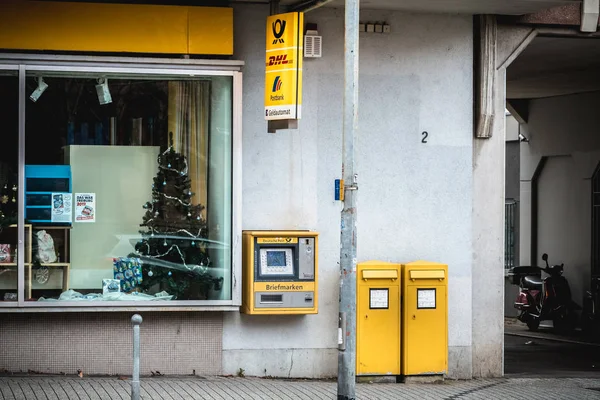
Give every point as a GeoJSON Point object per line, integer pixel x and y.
{"type": "Point", "coordinates": [42, 86]}
{"type": "Point", "coordinates": [103, 92]}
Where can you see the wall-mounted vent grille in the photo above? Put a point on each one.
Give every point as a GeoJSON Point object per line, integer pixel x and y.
{"type": "Point", "coordinates": [313, 46]}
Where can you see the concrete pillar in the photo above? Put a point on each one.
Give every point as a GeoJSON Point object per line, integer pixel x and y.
{"type": "Point", "coordinates": [488, 219]}
{"type": "Point", "coordinates": [488, 244]}
{"type": "Point", "coordinates": [525, 224]}
{"type": "Point", "coordinates": [530, 163]}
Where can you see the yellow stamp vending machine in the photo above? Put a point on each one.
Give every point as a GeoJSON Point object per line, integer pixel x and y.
{"type": "Point", "coordinates": [280, 271]}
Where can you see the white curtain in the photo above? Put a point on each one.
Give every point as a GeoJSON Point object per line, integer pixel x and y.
{"type": "Point", "coordinates": [199, 110]}
{"type": "Point", "coordinates": [219, 181]}
{"type": "Point", "coordinates": [188, 120]}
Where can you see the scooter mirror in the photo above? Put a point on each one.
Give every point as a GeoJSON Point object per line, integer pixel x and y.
{"type": "Point", "coordinates": [545, 257]}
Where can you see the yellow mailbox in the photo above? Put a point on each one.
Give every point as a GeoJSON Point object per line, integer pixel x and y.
{"type": "Point", "coordinates": [425, 318]}
{"type": "Point", "coordinates": [378, 318]}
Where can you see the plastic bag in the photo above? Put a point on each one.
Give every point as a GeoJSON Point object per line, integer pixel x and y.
{"type": "Point", "coordinates": [46, 253]}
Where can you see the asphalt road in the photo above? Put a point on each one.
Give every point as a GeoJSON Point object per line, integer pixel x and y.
{"type": "Point", "coordinates": [535, 357]}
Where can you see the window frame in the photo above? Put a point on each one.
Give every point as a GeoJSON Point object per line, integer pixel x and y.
{"type": "Point", "coordinates": [511, 220]}
{"type": "Point", "coordinates": [134, 66]}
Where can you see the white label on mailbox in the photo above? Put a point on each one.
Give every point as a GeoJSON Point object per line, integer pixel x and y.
{"type": "Point", "coordinates": [425, 298]}
{"type": "Point", "coordinates": [379, 298]}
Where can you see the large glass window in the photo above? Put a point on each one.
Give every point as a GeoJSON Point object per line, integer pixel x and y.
{"type": "Point", "coordinates": [9, 206]}
{"type": "Point", "coordinates": [127, 187]}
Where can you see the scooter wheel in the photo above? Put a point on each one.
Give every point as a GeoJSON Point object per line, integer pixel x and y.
{"type": "Point", "coordinates": [533, 324]}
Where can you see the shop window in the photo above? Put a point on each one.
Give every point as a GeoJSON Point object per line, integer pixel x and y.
{"type": "Point", "coordinates": [127, 188]}
{"type": "Point", "coordinates": [9, 205]}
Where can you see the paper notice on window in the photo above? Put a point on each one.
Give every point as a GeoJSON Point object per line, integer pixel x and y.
{"type": "Point", "coordinates": [62, 208]}
{"type": "Point", "coordinates": [425, 298]}
{"type": "Point", "coordinates": [379, 298]}
{"type": "Point", "coordinates": [85, 207]}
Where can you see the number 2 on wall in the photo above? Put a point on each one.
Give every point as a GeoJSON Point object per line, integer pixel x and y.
{"type": "Point", "coordinates": [425, 135]}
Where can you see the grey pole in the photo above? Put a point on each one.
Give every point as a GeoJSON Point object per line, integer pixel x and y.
{"type": "Point", "coordinates": [136, 320]}
{"type": "Point", "coordinates": [274, 4]}
{"type": "Point", "coordinates": [347, 349]}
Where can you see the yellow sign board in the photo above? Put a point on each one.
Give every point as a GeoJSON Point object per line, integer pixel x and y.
{"type": "Point", "coordinates": [283, 76]}
{"type": "Point", "coordinates": [277, 240]}
{"type": "Point", "coordinates": [284, 286]}
{"type": "Point", "coordinates": [115, 28]}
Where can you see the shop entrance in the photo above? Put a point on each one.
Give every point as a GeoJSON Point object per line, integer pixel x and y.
{"type": "Point", "coordinates": [552, 174]}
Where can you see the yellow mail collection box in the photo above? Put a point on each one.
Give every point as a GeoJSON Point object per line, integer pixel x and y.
{"type": "Point", "coordinates": [424, 318]}
{"type": "Point", "coordinates": [378, 318]}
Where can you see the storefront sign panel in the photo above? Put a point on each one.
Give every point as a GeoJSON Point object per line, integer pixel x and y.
{"type": "Point", "coordinates": [283, 66]}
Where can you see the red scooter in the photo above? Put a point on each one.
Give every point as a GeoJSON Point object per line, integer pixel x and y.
{"type": "Point", "coordinates": [547, 299]}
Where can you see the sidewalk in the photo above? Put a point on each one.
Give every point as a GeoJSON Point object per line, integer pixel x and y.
{"type": "Point", "coordinates": [545, 331]}
{"type": "Point", "coordinates": [176, 388]}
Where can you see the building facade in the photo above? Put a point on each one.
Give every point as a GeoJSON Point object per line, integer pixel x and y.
{"type": "Point", "coordinates": [428, 188]}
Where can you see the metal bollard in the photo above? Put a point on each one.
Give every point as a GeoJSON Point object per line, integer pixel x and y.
{"type": "Point", "coordinates": [136, 320]}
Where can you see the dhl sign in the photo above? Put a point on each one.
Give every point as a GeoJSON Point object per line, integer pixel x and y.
{"type": "Point", "coordinates": [278, 60]}
{"type": "Point", "coordinates": [283, 63]}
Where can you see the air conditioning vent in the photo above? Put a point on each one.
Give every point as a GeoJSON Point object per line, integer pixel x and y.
{"type": "Point", "coordinates": [271, 298]}
{"type": "Point", "coordinates": [313, 46]}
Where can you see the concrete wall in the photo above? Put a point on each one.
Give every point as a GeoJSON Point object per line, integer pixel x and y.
{"type": "Point", "coordinates": [512, 189]}
{"type": "Point", "coordinates": [563, 129]}
{"type": "Point", "coordinates": [414, 201]}
{"type": "Point", "coordinates": [100, 343]}
{"type": "Point", "coordinates": [512, 128]}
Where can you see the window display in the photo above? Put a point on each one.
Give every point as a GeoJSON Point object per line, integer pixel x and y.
{"type": "Point", "coordinates": [176, 232]}
{"type": "Point", "coordinates": [127, 188]}
{"type": "Point", "coordinates": [9, 190]}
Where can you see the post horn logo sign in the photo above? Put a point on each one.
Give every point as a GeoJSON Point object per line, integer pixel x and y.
{"type": "Point", "coordinates": [278, 29]}
{"type": "Point", "coordinates": [277, 84]}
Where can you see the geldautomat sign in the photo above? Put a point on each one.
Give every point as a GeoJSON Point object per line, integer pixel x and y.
{"type": "Point", "coordinates": [283, 74]}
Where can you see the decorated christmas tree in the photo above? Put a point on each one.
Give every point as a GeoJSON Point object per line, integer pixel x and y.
{"type": "Point", "coordinates": [173, 246]}
{"type": "Point", "coordinates": [8, 203]}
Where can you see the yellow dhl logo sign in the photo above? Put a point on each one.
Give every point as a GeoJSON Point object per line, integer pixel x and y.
{"type": "Point", "coordinates": [283, 72]}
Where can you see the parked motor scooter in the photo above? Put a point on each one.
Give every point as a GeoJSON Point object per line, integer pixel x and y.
{"type": "Point", "coordinates": [545, 299]}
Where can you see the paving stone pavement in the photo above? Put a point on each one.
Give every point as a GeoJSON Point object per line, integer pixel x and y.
{"type": "Point", "coordinates": [221, 388]}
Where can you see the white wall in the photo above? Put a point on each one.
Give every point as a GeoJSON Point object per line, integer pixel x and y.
{"type": "Point", "coordinates": [564, 129]}
{"type": "Point", "coordinates": [414, 200]}
{"type": "Point", "coordinates": [512, 128]}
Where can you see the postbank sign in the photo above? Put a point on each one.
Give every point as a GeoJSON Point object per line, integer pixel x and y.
{"type": "Point", "coordinates": [283, 73]}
